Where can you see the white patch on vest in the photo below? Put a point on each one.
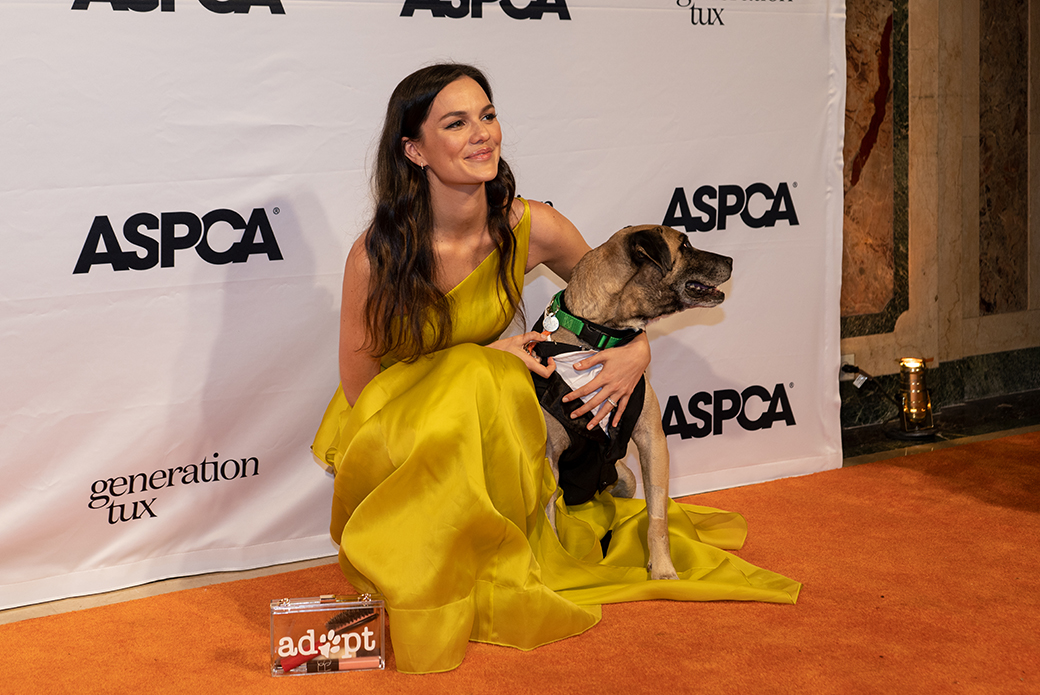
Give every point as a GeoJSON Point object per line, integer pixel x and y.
{"type": "Point", "coordinates": [576, 378]}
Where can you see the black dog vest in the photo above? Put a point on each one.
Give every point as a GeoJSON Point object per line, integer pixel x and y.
{"type": "Point", "coordinates": [587, 466]}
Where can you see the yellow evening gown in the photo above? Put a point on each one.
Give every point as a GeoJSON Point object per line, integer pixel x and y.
{"type": "Point", "coordinates": [440, 493]}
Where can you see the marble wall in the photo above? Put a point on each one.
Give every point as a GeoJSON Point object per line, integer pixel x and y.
{"type": "Point", "coordinates": [965, 291]}
{"type": "Point", "coordinates": [874, 258]}
{"type": "Point", "coordinates": [868, 263]}
{"type": "Point", "coordinates": [1003, 156]}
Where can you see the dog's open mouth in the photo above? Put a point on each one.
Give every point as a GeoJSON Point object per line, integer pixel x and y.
{"type": "Point", "coordinates": [700, 294]}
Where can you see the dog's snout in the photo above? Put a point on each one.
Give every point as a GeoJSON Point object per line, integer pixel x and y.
{"type": "Point", "coordinates": [714, 267]}
{"type": "Point", "coordinates": [726, 267]}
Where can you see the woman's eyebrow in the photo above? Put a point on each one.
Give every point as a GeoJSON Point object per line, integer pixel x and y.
{"type": "Point", "coordinates": [457, 114]}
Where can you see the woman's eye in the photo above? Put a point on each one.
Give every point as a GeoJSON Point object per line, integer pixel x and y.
{"type": "Point", "coordinates": [490, 116]}
{"type": "Point", "coordinates": [455, 124]}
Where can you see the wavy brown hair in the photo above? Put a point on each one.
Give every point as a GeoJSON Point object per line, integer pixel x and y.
{"type": "Point", "coordinates": [402, 295]}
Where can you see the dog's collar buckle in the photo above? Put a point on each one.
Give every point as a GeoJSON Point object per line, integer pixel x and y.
{"type": "Point", "coordinates": [599, 337]}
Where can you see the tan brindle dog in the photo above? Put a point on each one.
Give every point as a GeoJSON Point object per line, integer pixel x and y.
{"type": "Point", "coordinates": [640, 274]}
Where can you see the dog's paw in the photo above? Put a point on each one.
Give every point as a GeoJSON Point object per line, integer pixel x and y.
{"type": "Point", "coordinates": [626, 483]}
{"type": "Point", "coordinates": [663, 573]}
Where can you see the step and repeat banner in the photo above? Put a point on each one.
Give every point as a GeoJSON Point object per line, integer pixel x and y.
{"type": "Point", "coordinates": [181, 182]}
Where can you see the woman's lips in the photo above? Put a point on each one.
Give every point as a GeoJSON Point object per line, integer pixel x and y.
{"type": "Point", "coordinates": [482, 155]}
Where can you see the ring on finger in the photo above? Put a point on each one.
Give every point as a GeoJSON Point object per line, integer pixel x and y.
{"type": "Point", "coordinates": [611, 401]}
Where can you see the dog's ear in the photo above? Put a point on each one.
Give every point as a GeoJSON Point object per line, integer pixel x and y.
{"type": "Point", "coordinates": [648, 245]}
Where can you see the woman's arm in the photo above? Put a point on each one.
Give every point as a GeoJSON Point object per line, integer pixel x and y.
{"type": "Point", "coordinates": [357, 366]}
{"type": "Point", "coordinates": [557, 243]}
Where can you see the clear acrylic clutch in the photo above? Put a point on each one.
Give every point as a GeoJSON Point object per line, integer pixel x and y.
{"type": "Point", "coordinates": [327, 634]}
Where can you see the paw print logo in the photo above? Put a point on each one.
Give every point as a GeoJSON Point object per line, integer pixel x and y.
{"type": "Point", "coordinates": [329, 643]}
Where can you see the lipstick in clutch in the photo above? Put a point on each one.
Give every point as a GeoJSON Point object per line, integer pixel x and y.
{"type": "Point", "coordinates": [357, 663]}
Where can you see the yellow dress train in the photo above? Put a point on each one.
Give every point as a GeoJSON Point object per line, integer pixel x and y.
{"type": "Point", "coordinates": [439, 505]}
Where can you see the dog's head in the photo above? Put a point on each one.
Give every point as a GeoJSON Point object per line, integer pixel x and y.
{"type": "Point", "coordinates": [668, 266]}
{"type": "Point", "coordinates": [644, 273]}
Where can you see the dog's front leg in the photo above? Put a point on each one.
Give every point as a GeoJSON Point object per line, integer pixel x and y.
{"type": "Point", "coordinates": [653, 460]}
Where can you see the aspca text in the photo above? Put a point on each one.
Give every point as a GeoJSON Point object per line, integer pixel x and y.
{"type": "Point", "coordinates": [171, 232]}
{"type": "Point", "coordinates": [757, 205]}
{"type": "Point", "coordinates": [753, 409]}
{"type": "Point", "coordinates": [218, 6]}
{"type": "Point", "coordinates": [534, 9]}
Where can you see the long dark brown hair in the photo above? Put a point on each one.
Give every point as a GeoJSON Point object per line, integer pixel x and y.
{"type": "Point", "coordinates": [402, 295]}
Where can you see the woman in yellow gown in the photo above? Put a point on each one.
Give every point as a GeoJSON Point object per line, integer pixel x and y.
{"type": "Point", "coordinates": [435, 434]}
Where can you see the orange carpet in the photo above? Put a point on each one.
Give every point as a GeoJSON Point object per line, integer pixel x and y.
{"type": "Point", "coordinates": [922, 575]}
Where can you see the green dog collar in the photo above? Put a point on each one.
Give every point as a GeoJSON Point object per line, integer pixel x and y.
{"type": "Point", "coordinates": [598, 336]}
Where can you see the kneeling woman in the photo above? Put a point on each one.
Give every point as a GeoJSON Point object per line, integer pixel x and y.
{"type": "Point", "coordinates": [435, 435]}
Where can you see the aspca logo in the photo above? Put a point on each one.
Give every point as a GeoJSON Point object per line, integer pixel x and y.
{"type": "Point", "coordinates": [475, 8]}
{"type": "Point", "coordinates": [218, 6]}
{"type": "Point", "coordinates": [758, 206]}
{"type": "Point", "coordinates": [158, 238]}
{"type": "Point", "coordinates": [753, 409]}
{"type": "Point", "coordinates": [112, 494]}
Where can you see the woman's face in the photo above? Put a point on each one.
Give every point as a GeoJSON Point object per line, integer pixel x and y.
{"type": "Point", "coordinates": [460, 138]}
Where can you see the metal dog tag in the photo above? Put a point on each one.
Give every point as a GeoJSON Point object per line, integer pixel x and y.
{"type": "Point", "coordinates": [550, 323]}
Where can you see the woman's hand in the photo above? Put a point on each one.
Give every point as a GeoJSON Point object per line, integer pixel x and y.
{"type": "Point", "coordinates": [515, 346]}
{"type": "Point", "coordinates": [622, 368]}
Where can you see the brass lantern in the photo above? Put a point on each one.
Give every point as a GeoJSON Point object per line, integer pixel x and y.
{"type": "Point", "coordinates": [916, 401]}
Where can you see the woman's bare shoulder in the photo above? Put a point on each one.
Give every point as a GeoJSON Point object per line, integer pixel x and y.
{"type": "Point", "coordinates": [516, 211]}
{"type": "Point", "coordinates": [357, 257]}
{"type": "Point", "coordinates": [555, 241]}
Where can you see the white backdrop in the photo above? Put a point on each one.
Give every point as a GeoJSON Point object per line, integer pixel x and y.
{"type": "Point", "coordinates": [203, 165]}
